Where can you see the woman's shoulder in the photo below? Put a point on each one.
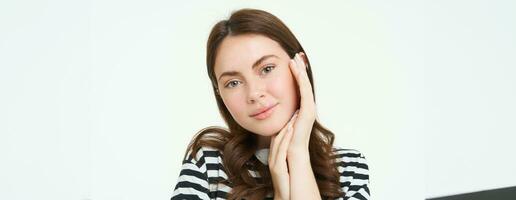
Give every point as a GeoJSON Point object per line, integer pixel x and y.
{"type": "Point", "coordinates": [350, 160]}
{"type": "Point", "coordinates": [204, 155]}
{"type": "Point", "coordinates": [207, 143]}
{"type": "Point", "coordinates": [347, 153]}
{"type": "Point", "coordinates": [354, 173]}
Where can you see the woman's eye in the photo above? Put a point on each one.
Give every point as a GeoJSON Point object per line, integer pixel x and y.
{"type": "Point", "coordinates": [232, 84]}
{"type": "Point", "coordinates": [267, 69]}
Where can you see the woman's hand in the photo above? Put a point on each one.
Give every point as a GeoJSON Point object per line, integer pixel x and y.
{"type": "Point", "coordinates": [278, 160]}
{"type": "Point", "coordinates": [307, 111]}
{"type": "Point", "coordinates": [303, 184]}
{"type": "Point", "coordinates": [291, 143]}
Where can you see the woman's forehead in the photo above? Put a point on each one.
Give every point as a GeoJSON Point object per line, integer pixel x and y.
{"type": "Point", "coordinates": [242, 51]}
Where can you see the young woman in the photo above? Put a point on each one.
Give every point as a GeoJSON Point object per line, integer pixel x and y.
{"type": "Point", "coordinates": [274, 147]}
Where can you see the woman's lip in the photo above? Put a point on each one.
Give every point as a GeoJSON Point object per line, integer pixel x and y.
{"type": "Point", "coordinates": [265, 113]}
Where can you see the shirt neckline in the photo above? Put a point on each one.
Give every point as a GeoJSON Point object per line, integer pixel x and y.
{"type": "Point", "coordinates": [262, 155]}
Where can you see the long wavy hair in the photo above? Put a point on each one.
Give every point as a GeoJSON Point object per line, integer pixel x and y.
{"type": "Point", "coordinates": [237, 144]}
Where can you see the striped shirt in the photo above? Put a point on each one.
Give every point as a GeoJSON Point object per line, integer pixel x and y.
{"type": "Point", "coordinates": [199, 178]}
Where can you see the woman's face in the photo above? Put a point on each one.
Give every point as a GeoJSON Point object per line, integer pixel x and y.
{"type": "Point", "coordinates": [253, 76]}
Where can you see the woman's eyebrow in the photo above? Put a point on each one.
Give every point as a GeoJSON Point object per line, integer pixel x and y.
{"type": "Point", "coordinates": [256, 63]}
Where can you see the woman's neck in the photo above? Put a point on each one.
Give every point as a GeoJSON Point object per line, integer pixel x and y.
{"type": "Point", "coordinates": [264, 142]}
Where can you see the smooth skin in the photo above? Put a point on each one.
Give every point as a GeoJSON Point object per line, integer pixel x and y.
{"type": "Point", "coordinates": [289, 159]}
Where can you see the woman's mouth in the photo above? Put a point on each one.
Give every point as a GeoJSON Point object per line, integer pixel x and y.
{"type": "Point", "coordinates": [264, 113]}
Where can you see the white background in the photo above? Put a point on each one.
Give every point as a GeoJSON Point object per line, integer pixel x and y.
{"type": "Point", "coordinates": [100, 98]}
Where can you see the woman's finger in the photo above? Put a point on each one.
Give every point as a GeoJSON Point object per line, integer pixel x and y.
{"type": "Point", "coordinates": [282, 149]}
{"type": "Point", "coordinates": [304, 82]}
{"type": "Point", "coordinates": [298, 68]}
{"type": "Point", "coordinates": [307, 104]}
{"type": "Point", "coordinates": [276, 139]}
{"type": "Point", "coordinates": [273, 152]}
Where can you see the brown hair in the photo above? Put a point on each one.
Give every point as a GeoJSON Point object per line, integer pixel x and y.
{"type": "Point", "coordinates": [238, 144]}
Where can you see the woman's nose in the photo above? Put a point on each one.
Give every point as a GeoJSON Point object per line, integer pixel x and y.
{"type": "Point", "coordinates": [256, 92]}
{"type": "Point", "coordinates": [255, 96]}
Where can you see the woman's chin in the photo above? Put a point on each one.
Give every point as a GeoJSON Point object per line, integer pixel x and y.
{"type": "Point", "coordinates": [269, 131]}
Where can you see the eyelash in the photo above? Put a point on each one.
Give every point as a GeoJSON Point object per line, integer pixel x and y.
{"type": "Point", "coordinates": [266, 67]}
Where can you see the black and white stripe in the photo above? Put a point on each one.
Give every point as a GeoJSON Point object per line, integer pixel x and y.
{"type": "Point", "coordinates": [201, 179]}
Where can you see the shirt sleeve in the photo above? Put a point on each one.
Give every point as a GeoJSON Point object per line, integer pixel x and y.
{"type": "Point", "coordinates": [192, 183]}
{"type": "Point", "coordinates": [354, 175]}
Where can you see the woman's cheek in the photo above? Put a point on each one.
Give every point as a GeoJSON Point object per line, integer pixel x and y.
{"type": "Point", "coordinates": [287, 89]}
{"type": "Point", "coordinates": [275, 86]}
{"type": "Point", "coordinates": [282, 86]}
{"type": "Point", "coordinates": [236, 105]}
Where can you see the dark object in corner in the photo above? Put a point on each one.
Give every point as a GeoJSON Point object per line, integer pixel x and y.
{"type": "Point", "coordinates": [508, 193]}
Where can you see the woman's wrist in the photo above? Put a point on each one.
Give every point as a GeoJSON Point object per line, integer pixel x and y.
{"type": "Point", "coordinates": [298, 154]}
